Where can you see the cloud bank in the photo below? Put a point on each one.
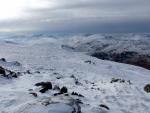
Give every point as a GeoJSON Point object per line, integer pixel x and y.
{"type": "Point", "coordinates": [78, 16]}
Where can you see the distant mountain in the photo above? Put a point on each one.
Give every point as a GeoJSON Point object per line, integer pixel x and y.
{"type": "Point", "coordinates": [125, 48]}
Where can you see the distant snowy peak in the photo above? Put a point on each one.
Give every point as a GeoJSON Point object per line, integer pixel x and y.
{"type": "Point", "coordinates": [111, 42]}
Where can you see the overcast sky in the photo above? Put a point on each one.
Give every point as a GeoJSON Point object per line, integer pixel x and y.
{"type": "Point", "coordinates": [75, 15]}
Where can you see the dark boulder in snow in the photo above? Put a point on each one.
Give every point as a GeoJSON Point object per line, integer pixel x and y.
{"type": "Point", "coordinates": [147, 88]}
{"type": "Point", "coordinates": [117, 80]}
{"type": "Point", "coordinates": [34, 94]}
{"type": "Point", "coordinates": [63, 90]}
{"type": "Point", "coordinates": [2, 71]}
{"type": "Point", "coordinates": [45, 86]}
{"type": "Point", "coordinates": [89, 62]}
{"type": "Point", "coordinates": [104, 106]}
{"type": "Point", "coordinates": [28, 72]}
{"type": "Point", "coordinates": [77, 94]}
{"type": "Point", "coordinates": [8, 73]}
{"type": "Point", "coordinates": [3, 59]}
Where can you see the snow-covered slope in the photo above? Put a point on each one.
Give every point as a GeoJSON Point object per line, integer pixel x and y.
{"type": "Point", "coordinates": [124, 48]}
{"type": "Point", "coordinates": [110, 42]}
{"type": "Point", "coordinates": [95, 80]}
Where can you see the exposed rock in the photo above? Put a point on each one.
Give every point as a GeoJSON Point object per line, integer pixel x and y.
{"type": "Point", "coordinates": [34, 94]}
{"type": "Point", "coordinates": [3, 59]}
{"type": "Point", "coordinates": [16, 63]}
{"type": "Point", "coordinates": [76, 80]}
{"type": "Point", "coordinates": [56, 94]}
{"type": "Point", "coordinates": [45, 86]}
{"type": "Point", "coordinates": [130, 83]}
{"type": "Point", "coordinates": [117, 80]}
{"type": "Point", "coordinates": [76, 106]}
{"type": "Point", "coordinates": [128, 57]}
{"type": "Point", "coordinates": [46, 103]}
{"type": "Point", "coordinates": [56, 87]}
{"type": "Point", "coordinates": [67, 47]}
{"type": "Point", "coordinates": [8, 73]}
{"type": "Point", "coordinates": [77, 94]}
{"type": "Point", "coordinates": [13, 74]}
{"type": "Point", "coordinates": [28, 72]}
{"type": "Point", "coordinates": [147, 88]}
{"type": "Point", "coordinates": [89, 62]}
{"type": "Point", "coordinates": [37, 72]}
{"type": "Point", "coordinates": [63, 90]}
{"type": "Point", "coordinates": [2, 71]}
{"type": "Point", "coordinates": [104, 106]}
{"type": "Point", "coordinates": [55, 73]}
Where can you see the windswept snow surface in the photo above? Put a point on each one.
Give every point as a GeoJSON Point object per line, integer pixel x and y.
{"type": "Point", "coordinates": [86, 75]}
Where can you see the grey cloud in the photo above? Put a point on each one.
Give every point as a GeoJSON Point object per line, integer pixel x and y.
{"type": "Point", "coordinates": [86, 16]}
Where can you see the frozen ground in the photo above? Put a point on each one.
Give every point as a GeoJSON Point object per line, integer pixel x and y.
{"type": "Point", "coordinates": [86, 75]}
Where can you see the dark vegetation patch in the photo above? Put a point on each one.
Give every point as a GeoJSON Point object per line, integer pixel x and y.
{"type": "Point", "coordinates": [128, 57]}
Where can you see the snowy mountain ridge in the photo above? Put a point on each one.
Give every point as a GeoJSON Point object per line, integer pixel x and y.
{"type": "Point", "coordinates": [93, 85]}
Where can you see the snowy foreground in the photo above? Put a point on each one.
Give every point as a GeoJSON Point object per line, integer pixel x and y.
{"type": "Point", "coordinates": [44, 60]}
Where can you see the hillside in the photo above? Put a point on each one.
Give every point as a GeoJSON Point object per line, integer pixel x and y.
{"type": "Point", "coordinates": [45, 66]}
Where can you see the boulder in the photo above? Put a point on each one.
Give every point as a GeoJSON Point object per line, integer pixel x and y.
{"type": "Point", "coordinates": [147, 88]}
{"type": "Point", "coordinates": [63, 90]}
{"type": "Point", "coordinates": [45, 86]}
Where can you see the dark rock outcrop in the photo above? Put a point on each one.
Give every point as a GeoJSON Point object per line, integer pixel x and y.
{"type": "Point", "coordinates": [2, 71]}
{"type": "Point", "coordinates": [147, 88]}
{"type": "Point", "coordinates": [76, 106]}
{"type": "Point", "coordinates": [104, 106]}
{"type": "Point", "coordinates": [117, 80]}
{"type": "Point", "coordinates": [63, 90]}
{"type": "Point", "coordinates": [34, 94]}
{"type": "Point", "coordinates": [3, 59]}
{"type": "Point", "coordinates": [56, 88]}
{"type": "Point", "coordinates": [128, 57]}
{"type": "Point", "coordinates": [8, 73]}
{"type": "Point", "coordinates": [77, 94]}
{"type": "Point", "coordinates": [45, 86]}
